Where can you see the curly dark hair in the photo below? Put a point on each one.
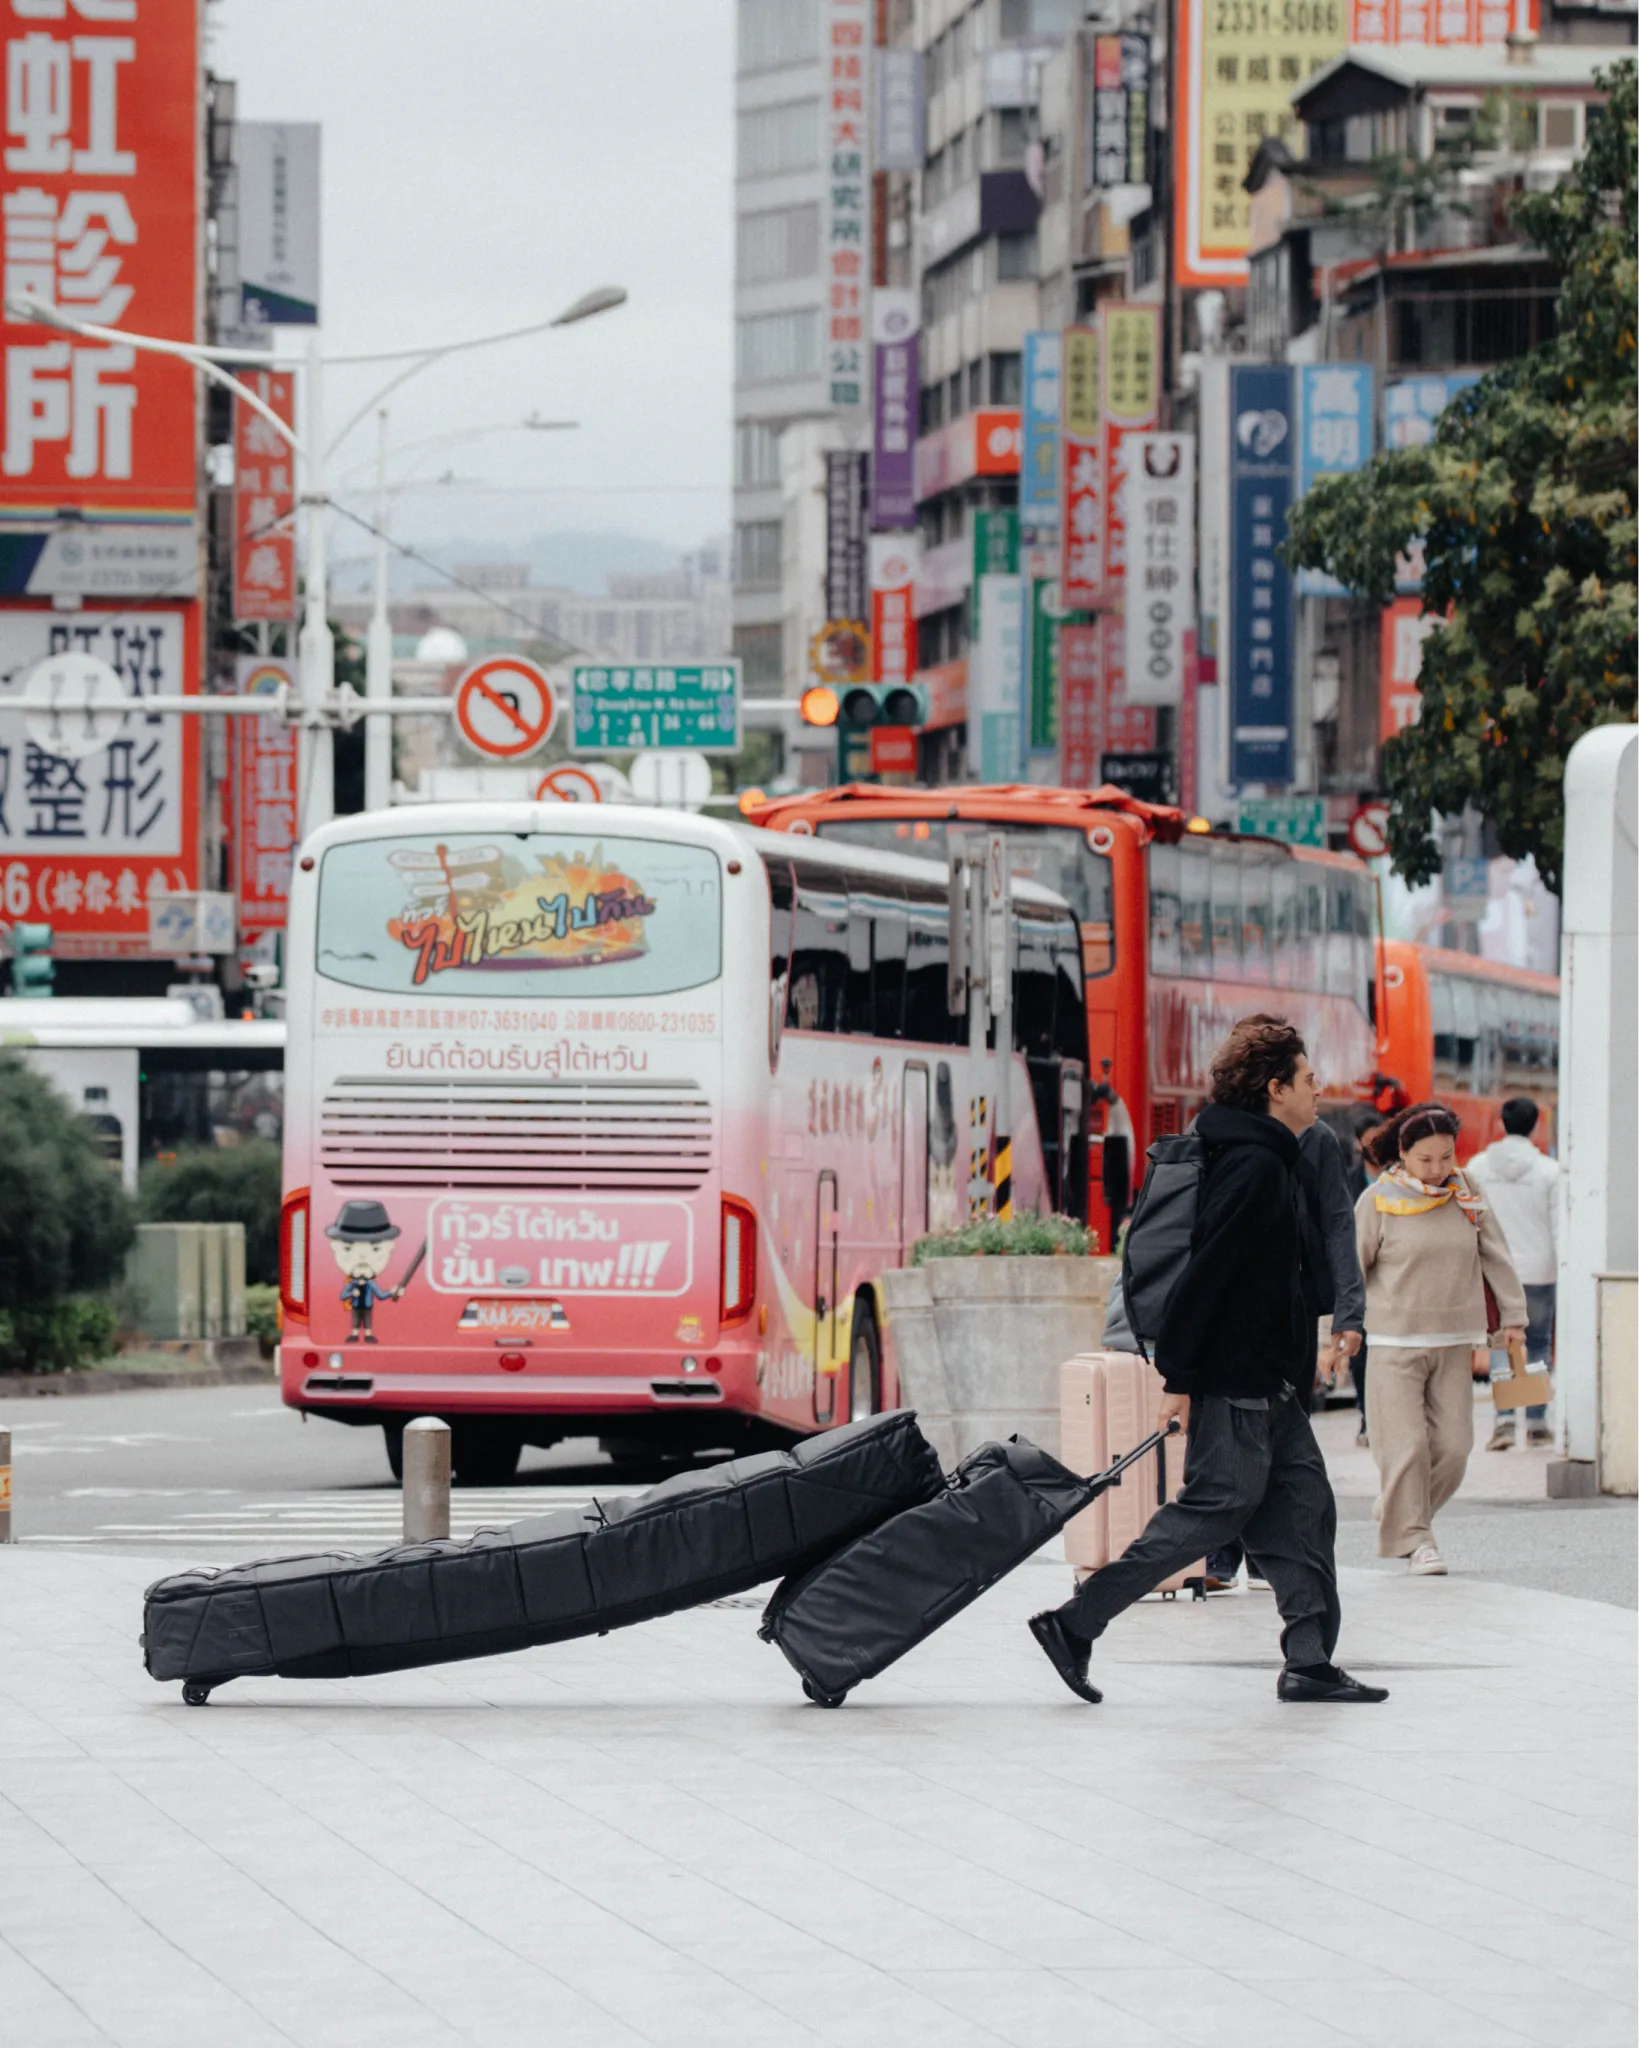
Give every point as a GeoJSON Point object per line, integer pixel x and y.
{"type": "Point", "coordinates": [1259, 1050]}
{"type": "Point", "coordinates": [1393, 1140]}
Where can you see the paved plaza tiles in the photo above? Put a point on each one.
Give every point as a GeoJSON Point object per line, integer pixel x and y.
{"type": "Point", "coordinates": [650, 1838]}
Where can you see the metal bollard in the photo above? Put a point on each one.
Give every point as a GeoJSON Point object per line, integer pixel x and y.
{"type": "Point", "coordinates": [5, 1485]}
{"type": "Point", "coordinates": [426, 1479]}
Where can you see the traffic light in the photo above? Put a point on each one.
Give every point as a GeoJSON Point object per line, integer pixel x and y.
{"type": "Point", "coordinates": [33, 971]}
{"type": "Point", "coordinates": [868, 704]}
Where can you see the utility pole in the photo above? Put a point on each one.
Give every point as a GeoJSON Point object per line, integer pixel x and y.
{"type": "Point", "coordinates": [378, 650]}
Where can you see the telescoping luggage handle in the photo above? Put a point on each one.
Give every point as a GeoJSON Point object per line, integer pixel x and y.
{"type": "Point", "coordinates": [1100, 1480]}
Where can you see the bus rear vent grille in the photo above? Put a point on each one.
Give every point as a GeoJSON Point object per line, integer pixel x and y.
{"type": "Point", "coordinates": [639, 1136]}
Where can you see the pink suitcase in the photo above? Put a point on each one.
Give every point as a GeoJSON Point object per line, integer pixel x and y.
{"type": "Point", "coordinates": [1109, 1401]}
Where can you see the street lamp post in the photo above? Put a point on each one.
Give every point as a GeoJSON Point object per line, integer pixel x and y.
{"type": "Point", "coordinates": [316, 645]}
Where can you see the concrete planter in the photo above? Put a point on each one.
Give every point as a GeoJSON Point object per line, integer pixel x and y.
{"type": "Point", "coordinates": [978, 1343]}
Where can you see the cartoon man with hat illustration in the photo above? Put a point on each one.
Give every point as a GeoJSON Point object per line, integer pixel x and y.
{"type": "Point", "coordinates": [362, 1239]}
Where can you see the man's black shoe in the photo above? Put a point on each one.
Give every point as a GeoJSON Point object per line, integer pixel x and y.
{"type": "Point", "coordinates": [1326, 1682]}
{"type": "Point", "coordinates": [1068, 1654]}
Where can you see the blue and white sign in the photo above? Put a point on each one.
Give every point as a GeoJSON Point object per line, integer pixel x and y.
{"type": "Point", "coordinates": [1039, 449]}
{"type": "Point", "coordinates": [1335, 437]}
{"type": "Point", "coordinates": [996, 681]}
{"type": "Point", "coordinates": [1412, 405]}
{"type": "Point", "coordinates": [1262, 468]}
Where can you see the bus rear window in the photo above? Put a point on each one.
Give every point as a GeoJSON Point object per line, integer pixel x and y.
{"type": "Point", "coordinates": [1056, 856]}
{"type": "Point", "coordinates": [520, 914]}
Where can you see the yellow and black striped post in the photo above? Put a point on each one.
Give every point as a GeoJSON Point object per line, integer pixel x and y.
{"type": "Point", "coordinates": [1004, 1175]}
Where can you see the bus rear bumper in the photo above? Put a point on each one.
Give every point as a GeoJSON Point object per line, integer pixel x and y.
{"type": "Point", "coordinates": [356, 1388]}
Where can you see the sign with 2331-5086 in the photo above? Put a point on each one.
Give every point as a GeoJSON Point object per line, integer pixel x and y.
{"type": "Point", "coordinates": [624, 708]}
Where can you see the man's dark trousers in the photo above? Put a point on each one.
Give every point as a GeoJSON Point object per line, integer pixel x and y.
{"type": "Point", "coordinates": [1256, 1474]}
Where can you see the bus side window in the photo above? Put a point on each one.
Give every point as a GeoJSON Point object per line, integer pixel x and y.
{"type": "Point", "coordinates": [782, 895]}
{"type": "Point", "coordinates": [1070, 1008]}
{"type": "Point", "coordinates": [859, 1015]}
{"type": "Point", "coordinates": [927, 967]}
{"type": "Point", "coordinates": [1195, 912]}
{"type": "Point", "coordinates": [1311, 930]}
{"type": "Point", "coordinates": [818, 999]}
{"type": "Point", "coordinates": [1164, 910]}
{"type": "Point", "coordinates": [1340, 964]}
{"type": "Point", "coordinates": [1226, 910]}
{"type": "Point", "coordinates": [890, 942]}
{"type": "Point", "coordinates": [1442, 1018]}
{"type": "Point", "coordinates": [1257, 913]}
{"type": "Point", "coordinates": [1034, 992]}
{"type": "Point", "coordinates": [1283, 893]}
{"type": "Point", "coordinates": [1465, 1005]}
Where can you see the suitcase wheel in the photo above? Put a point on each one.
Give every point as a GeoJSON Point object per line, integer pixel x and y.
{"type": "Point", "coordinates": [822, 1699]}
{"type": "Point", "coordinates": [1171, 1593]}
{"type": "Point", "coordinates": [196, 1693]}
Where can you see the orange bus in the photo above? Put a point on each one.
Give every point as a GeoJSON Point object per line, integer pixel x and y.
{"type": "Point", "coordinates": [1182, 933]}
{"type": "Point", "coordinates": [1470, 1033]}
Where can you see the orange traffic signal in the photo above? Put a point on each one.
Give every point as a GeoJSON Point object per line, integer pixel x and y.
{"type": "Point", "coordinates": [819, 705]}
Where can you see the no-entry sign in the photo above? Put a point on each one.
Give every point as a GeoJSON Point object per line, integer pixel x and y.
{"type": "Point", "coordinates": [1369, 830]}
{"type": "Point", "coordinates": [504, 707]}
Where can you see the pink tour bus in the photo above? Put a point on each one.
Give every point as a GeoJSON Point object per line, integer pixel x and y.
{"type": "Point", "coordinates": [602, 1122]}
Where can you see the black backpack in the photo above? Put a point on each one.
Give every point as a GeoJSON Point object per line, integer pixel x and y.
{"type": "Point", "coordinates": [1159, 1235]}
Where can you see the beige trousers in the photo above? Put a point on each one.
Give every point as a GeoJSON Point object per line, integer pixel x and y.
{"type": "Point", "coordinates": [1420, 1416]}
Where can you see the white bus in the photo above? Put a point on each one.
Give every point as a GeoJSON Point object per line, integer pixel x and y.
{"type": "Point", "coordinates": [602, 1122]}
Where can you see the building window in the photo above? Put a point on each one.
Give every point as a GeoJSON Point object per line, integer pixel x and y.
{"type": "Point", "coordinates": [775, 32]}
{"type": "Point", "coordinates": [975, 385]}
{"type": "Point", "coordinates": [772, 247]}
{"type": "Point", "coordinates": [758, 647]}
{"type": "Point", "coordinates": [776, 139]}
{"type": "Point", "coordinates": [1015, 257]}
{"type": "Point", "coordinates": [756, 454]}
{"type": "Point", "coordinates": [757, 554]}
{"type": "Point", "coordinates": [1006, 379]}
{"type": "Point", "coordinates": [956, 396]}
{"type": "Point", "coordinates": [1011, 137]}
{"type": "Point", "coordinates": [1561, 125]}
{"type": "Point", "coordinates": [932, 407]}
{"type": "Point", "coordinates": [776, 346]}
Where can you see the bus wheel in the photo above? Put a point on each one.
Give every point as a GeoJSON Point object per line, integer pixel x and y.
{"type": "Point", "coordinates": [483, 1457]}
{"type": "Point", "coordinates": [393, 1435]}
{"type": "Point", "coordinates": [864, 1365]}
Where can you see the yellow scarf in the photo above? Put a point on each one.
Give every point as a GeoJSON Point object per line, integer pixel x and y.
{"type": "Point", "coordinates": [1400, 1193]}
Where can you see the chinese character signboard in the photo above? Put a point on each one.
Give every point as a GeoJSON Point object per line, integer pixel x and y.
{"type": "Point", "coordinates": [996, 678]}
{"type": "Point", "coordinates": [1080, 678]}
{"type": "Point", "coordinates": [1160, 513]}
{"type": "Point", "coordinates": [84, 843]}
{"type": "Point", "coordinates": [1336, 402]}
{"type": "Point", "coordinates": [1238, 67]}
{"type": "Point", "coordinates": [1260, 586]}
{"type": "Point", "coordinates": [1081, 471]}
{"type": "Point", "coordinates": [1047, 621]}
{"type": "Point", "coordinates": [264, 815]}
{"type": "Point", "coordinates": [847, 277]}
{"type": "Point", "coordinates": [1132, 391]}
{"type": "Point", "coordinates": [894, 319]}
{"type": "Point", "coordinates": [893, 606]}
{"type": "Point", "coordinates": [1039, 440]}
{"type": "Point", "coordinates": [1299, 820]}
{"type": "Point", "coordinates": [899, 110]}
{"type": "Point", "coordinates": [845, 535]}
{"type": "Point", "coordinates": [279, 223]}
{"type": "Point", "coordinates": [101, 219]}
{"type": "Point", "coordinates": [1405, 627]}
{"type": "Point", "coordinates": [264, 503]}
{"type": "Point", "coordinates": [1121, 79]}
{"type": "Point", "coordinates": [1412, 406]}
{"type": "Point", "coordinates": [1393, 22]}
{"type": "Point", "coordinates": [621, 709]}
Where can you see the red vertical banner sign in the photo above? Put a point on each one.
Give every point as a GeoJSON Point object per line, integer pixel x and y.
{"type": "Point", "coordinates": [893, 609]}
{"type": "Point", "coordinates": [1081, 470]}
{"type": "Point", "coordinates": [1081, 706]}
{"type": "Point", "coordinates": [264, 832]}
{"type": "Point", "coordinates": [264, 502]}
{"type": "Point", "coordinates": [1400, 700]}
{"type": "Point", "coordinates": [99, 206]}
{"type": "Point", "coordinates": [1131, 391]}
{"type": "Point", "coordinates": [1189, 730]}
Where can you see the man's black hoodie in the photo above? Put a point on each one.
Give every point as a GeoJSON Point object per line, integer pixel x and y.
{"type": "Point", "coordinates": [1236, 1324]}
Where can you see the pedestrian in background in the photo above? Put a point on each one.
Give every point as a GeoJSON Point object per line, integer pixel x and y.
{"type": "Point", "coordinates": [1234, 1350]}
{"type": "Point", "coordinates": [1521, 1184]}
{"type": "Point", "coordinates": [1429, 1248]}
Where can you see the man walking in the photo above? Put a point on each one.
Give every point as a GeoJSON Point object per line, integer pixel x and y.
{"type": "Point", "coordinates": [1522, 1186]}
{"type": "Point", "coordinates": [1234, 1350]}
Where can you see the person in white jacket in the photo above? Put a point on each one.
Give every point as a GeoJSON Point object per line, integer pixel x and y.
{"type": "Point", "coordinates": [1522, 1186]}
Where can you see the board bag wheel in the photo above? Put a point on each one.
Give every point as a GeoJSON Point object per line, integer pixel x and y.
{"type": "Point", "coordinates": [196, 1693]}
{"type": "Point", "coordinates": [822, 1699]}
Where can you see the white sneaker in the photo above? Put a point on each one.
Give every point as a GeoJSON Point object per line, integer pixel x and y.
{"type": "Point", "coordinates": [1425, 1562]}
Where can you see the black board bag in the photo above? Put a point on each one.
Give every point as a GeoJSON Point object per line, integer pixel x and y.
{"type": "Point", "coordinates": [851, 1616]}
{"type": "Point", "coordinates": [698, 1537]}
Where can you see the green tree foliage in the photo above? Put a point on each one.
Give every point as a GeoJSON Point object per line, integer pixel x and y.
{"type": "Point", "coordinates": [227, 1184]}
{"type": "Point", "coordinates": [1524, 504]}
{"type": "Point", "coordinates": [65, 1225]}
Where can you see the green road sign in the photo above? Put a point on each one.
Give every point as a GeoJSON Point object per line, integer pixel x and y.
{"type": "Point", "coordinates": [622, 708]}
{"type": "Point", "coordinates": [1299, 820]}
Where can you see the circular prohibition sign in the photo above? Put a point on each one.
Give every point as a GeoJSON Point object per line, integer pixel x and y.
{"type": "Point", "coordinates": [569, 785]}
{"type": "Point", "coordinates": [505, 707]}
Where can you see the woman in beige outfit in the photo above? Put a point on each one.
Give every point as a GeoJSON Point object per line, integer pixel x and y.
{"type": "Point", "coordinates": [1428, 1247]}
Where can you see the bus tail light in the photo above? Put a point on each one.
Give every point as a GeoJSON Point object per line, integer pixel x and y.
{"type": "Point", "coordinates": [293, 1234]}
{"type": "Point", "coordinates": [739, 1259]}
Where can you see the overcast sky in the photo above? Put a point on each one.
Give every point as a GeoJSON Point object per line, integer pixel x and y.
{"type": "Point", "coordinates": [484, 163]}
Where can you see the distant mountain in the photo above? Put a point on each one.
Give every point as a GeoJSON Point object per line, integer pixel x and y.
{"type": "Point", "coordinates": [581, 562]}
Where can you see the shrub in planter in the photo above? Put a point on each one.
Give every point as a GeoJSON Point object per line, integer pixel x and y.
{"type": "Point", "coordinates": [1018, 1237]}
{"type": "Point", "coordinates": [65, 1225]}
{"type": "Point", "coordinates": [262, 1318]}
{"type": "Point", "coordinates": [55, 1337]}
{"type": "Point", "coordinates": [226, 1184]}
